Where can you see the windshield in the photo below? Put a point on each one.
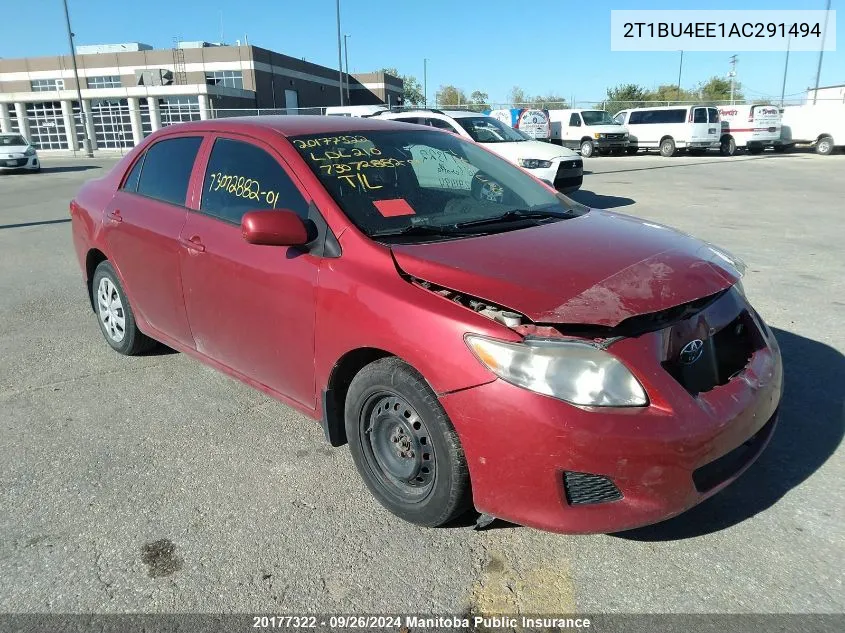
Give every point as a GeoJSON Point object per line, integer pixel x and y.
{"type": "Point", "coordinates": [415, 185]}
{"type": "Point", "coordinates": [597, 117]}
{"type": "Point", "coordinates": [9, 141]}
{"type": "Point", "coordinates": [486, 129]}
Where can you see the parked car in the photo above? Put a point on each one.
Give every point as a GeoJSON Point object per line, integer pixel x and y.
{"type": "Point", "coordinates": [695, 128]}
{"type": "Point", "coordinates": [749, 127]}
{"type": "Point", "coordinates": [821, 125]}
{"type": "Point", "coordinates": [590, 131]}
{"type": "Point", "coordinates": [560, 167]}
{"type": "Point", "coordinates": [502, 347]}
{"type": "Point", "coordinates": [17, 153]}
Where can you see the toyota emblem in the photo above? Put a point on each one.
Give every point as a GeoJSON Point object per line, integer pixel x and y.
{"type": "Point", "coordinates": [692, 351]}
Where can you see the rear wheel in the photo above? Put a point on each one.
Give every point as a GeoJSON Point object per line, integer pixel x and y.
{"type": "Point", "coordinates": [667, 147]}
{"type": "Point", "coordinates": [404, 446]}
{"type": "Point", "coordinates": [728, 146]}
{"type": "Point", "coordinates": [114, 314]}
{"type": "Point", "coordinates": [824, 146]}
{"type": "Point", "coordinates": [587, 148]}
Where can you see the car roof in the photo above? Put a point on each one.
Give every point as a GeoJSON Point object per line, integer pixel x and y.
{"type": "Point", "coordinates": [455, 114]}
{"type": "Point", "coordinates": [290, 125]}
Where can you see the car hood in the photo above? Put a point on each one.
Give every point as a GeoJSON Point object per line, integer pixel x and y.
{"type": "Point", "coordinates": [599, 268]}
{"type": "Point", "coordinates": [13, 149]}
{"type": "Point", "coordinates": [530, 149]}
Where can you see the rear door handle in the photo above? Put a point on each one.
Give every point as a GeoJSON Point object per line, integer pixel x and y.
{"type": "Point", "coordinates": [115, 217]}
{"type": "Point", "coordinates": [193, 244]}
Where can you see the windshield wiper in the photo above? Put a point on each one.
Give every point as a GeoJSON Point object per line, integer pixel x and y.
{"type": "Point", "coordinates": [515, 215]}
{"type": "Point", "coordinates": [418, 229]}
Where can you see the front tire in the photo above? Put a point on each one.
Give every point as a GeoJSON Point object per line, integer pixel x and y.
{"type": "Point", "coordinates": [824, 146]}
{"type": "Point", "coordinates": [114, 314]}
{"type": "Point", "coordinates": [728, 146]}
{"type": "Point", "coordinates": [667, 147]}
{"type": "Point", "coordinates": [587, 148]}
{"type": "Point", "coordinates": [404, 446]}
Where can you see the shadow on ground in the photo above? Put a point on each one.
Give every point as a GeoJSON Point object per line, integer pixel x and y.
{"type": "Point", "coordinates": [810, 429]}
{"type": "Point", "coordinates": [56, 169]}
{"type": "Point", "coordinates": [599, 201]}
{"type": "Point", "coordinates": [39, 223]}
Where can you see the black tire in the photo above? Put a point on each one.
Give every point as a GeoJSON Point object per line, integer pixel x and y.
{"type": "Point", "coordinates": [132, 341]}
{"type": "Point", "coordinates": [404, 446]}
{"type": "Point", "coordinates": [667, 147]}
{"type": "Point", "coordinates": [587, 148]}
{"type": "Point", "coordinates": [632, 151]}
{"type": "Point", "coordinates": [824, 146]}
{"type": "Point", "coordinates": [728, 146]}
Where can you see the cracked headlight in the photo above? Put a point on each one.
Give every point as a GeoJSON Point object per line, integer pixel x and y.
{"type": "Point", "coordinates": [568, 370]}
{"type": "Point", "coordinates": [534, 163]}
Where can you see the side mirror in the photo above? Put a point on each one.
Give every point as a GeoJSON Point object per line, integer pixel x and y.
{"type": "Point", "coordinates": [274, 227]}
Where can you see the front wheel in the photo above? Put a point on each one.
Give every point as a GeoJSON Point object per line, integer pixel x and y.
{"type": "Point", "coordinates": [667, 147]}
{"type": "Point", "coordinates": [404, 445]}
{"type": "Point", "coordinates": [824, 146]}
{"type": "Point", "coordinates": [587, 148]}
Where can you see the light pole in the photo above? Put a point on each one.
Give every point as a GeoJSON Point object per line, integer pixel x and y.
{"type": "Point", "coordinates": [346, 56]}
{"type": "Point", "coordinates": [86, 142]}
{"type": "Point", "coordinates": [339, 55]}
{"type": "Point", "coordinates": [785, 67]}
{"type": "Point", "coordinates": [425, 82]}
{"type": "Point", "coordinates": [680, 68]}
{"type": "Point", "coordinates": [821, 53]}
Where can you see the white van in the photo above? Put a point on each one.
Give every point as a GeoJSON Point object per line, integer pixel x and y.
{"type": "Point", "coordinates": [590, 131]}
{"type": "Point", "coordinates": [822, 126]}
{"type": "Point", "coordinates": [749, 127]}
{"type": "Point", "coordinates": [670, 128]}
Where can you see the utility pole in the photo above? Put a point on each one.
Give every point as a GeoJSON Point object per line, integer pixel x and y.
{"type": "Point", "coordinates": [732, 75]}
{"type": "Point", "coordinates": [346, 55]}
{"type": "Point", "coordinates": [821, 53]}
{"type": "Point", "coordinates": [86, 142]}
{"type": "Point", "coordinates": [425, 82]}
{"type": "Point", "coordinates": [680, 68]}
{"type": "Point", "coordinates": [339, 55]}
{"type": "Point", "coordinates": [785, 67]}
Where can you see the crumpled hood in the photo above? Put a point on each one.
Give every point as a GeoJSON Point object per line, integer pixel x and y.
{"type": "Point", "coordinates": [599, 268]}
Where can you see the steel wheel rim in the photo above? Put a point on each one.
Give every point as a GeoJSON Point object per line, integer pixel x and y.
{"type": "Point", "coordinates": [110, 310]}
{"type": "Point", "coordinates": [824, 146]}
{"type": "Point", "coordinates": [586, 150]}
{"type": "Point", "coordinates": [397, 447]}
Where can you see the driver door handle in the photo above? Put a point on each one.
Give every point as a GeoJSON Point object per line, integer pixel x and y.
{"type": "Point", "coordinates": [193, 244]}
{"type": "Point", "coordinates": [115, 217]}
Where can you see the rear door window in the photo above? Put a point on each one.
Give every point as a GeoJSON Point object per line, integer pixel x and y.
{"type": "Point", "coordinates": [713, 115]}
{"type": "Point", "coordinates": [167, 168]}
{"type": "Point", "coordinates": [441, 124]}
{"type": "Point", "coordinates": [242, 177]}
{"type": "Point", "coordinates": [699, 115]}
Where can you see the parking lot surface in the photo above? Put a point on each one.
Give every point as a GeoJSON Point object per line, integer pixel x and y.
{"type": "Point", "coordinates": [157, 484]}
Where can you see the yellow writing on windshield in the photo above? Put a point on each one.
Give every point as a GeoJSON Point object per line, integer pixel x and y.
{"type": "Point", "coordinates": [242, 187]}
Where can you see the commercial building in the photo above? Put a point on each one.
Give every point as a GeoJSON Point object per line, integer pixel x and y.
{"type": "Point", "coordinates": [130, 90]}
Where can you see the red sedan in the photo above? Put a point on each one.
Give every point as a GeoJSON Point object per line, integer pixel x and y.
{"type": "Point", "coordinates": [477, 338]}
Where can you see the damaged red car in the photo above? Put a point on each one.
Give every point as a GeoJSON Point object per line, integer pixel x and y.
{"type": "Point", "coordinates": [476, 338]}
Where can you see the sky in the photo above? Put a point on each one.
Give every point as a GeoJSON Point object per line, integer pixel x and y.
{"type": "Point", "coordinates": [557, 47]}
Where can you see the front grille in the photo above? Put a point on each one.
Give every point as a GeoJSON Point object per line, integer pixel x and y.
{"type": "Point", "coordinates": [724, 353]}
{"type": "Point", "coordinates": [720, 470]}
{"type": "Point", "coordinates": [615, 137]}
{"type": "Point", "coordinates": [586, 488]}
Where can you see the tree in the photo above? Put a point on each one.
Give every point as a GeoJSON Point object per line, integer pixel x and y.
{"type": "Point", "coordinates": [412, 91]}
{"type": "Point", "coordinates": [517, 97]}
{"type": "Point", "coordinates": [449, 95]}
{"type": "Point", "coordinates": [669, 94]}
{"type": "Point", "coordinates": [479, 101]}
{"type": "Point", "coordinates": [624, 97]}
{"type": "Point", "coordinates": [718, 90]}
{"type": "Point", "coordinates": [551, 101]}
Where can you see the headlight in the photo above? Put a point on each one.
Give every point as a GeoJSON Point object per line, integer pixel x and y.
{"type": "Point", "coordinates": [568, 370]}
{"type": "Point", "coordinates": [30, 151]}
{"type": "Point", "coordinates": [534, 163]}
{"type": "Point", "coordinates": [596, 135]}
{"type": "Point", "coordinates": [625, 135]}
